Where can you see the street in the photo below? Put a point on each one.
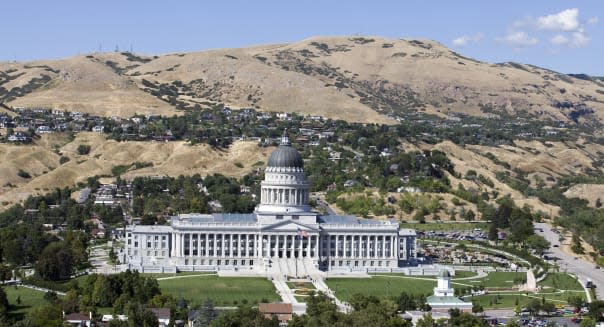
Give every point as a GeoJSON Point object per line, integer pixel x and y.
{"type": "Point", "coordinates": [569, 263]}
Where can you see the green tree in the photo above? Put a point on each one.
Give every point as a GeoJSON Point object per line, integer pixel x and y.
{"type": "Point", "coordinates": [140, 316]}
{"type": "Point", "coordinates": [206, 314]}
{"type": "Point", "coordinates": [56, 262]}
{"type": "Point", "coordinates": [587, 322]}
{"type": "Point", "coordinates": [426, 321]}
{"type": "Point", "coordinates": [83, 149]}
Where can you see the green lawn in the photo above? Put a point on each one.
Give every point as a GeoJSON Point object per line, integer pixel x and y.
{"type": "Point", "coordinates": [300, 299]}
{"type": "Point", "coordinates": [457, 226]}
{"type": "Point", "coordinates": [29, 299]}
{"type": "Point", "coordinates": [508, 299]}
{"type": "Point", "coordinates": [497, 279]}
{"type": "Point", "coordinates": [380, 286]}
{"type": "Point", "coordinates": [295, 285]}
{"type": "Point", "coordinates": [561, 281]}
{"type": "Point", "coordinates": [464, 274]}
{"type": "Point", "coordinates": [224, 291]}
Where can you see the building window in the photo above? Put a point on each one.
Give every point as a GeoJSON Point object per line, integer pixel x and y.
{"type": "Point", "coordinates": [279, 217]}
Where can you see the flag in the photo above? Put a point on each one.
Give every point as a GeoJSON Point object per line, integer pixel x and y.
{"type": "Point", "coordinates": [302, 233]}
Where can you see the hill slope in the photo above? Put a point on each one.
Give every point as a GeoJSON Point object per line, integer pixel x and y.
{"type": "Point", "coordinates": [358, 79]}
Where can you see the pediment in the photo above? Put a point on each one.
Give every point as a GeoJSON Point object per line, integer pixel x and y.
{"type": "Point", "coordinates": [289, 226]}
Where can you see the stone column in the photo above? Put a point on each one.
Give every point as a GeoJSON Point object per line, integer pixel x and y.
{"type": "Point", "coordinates": [318, 246]}
{"type": "Point", "coordinates": [172, 245]}
{"type": "Point", "coordinates": [336, 245]}
{"type": "Point", "coordinates": [329, 247]}
{"type": "Point", "coordinates": [232, 242]}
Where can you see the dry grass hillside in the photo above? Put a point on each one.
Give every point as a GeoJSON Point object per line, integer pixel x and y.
{"type": "Point", "coordinates": [358, 79]}
{"type": "Point", "coordinates": [41, 161]}
{"type": "Point", "coordinates": [590, 192]}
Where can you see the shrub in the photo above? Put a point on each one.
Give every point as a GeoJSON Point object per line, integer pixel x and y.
{"type": "Point", "coordinates": [63, 159]}
{"type": "Point", "coordinates": [83, 149]}
{"type": "Point", "coordinates": [22, 173]}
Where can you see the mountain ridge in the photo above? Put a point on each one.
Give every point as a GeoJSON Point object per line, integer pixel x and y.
{"type": "Point", "coordinates": [356, 78]}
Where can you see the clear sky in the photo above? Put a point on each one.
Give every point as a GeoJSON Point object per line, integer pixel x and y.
{"type": "Point", "coordinates": [566, 36]}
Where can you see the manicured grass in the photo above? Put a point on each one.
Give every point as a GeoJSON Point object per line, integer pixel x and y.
{"type": "Point", "coordinates": [29, 299]}
{"type": "Point", "coordinates": [295, 285]}
{"type": "Point", "coordinates": [508, 299]}
{"type": "Point", "coordinates": [179, 274]}
{"type": "Point", "coordinates": [380, 286]}
{"type": "Point", "coordinates": [561, 281]}
{"type": "Point", "coordinates": [498, 279]}
{"type": "Point", "coordinates": [457, 226]}
{"type": "Point", "coordinates": [300, 299]}
{"type": "Point", "coordinates": [464, 274]}
{"type": "Point", "coordinates": [224, 291]}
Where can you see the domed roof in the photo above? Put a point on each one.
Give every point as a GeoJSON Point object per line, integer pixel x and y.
{"type": "Point", "coordinates": [285, 156]}
{"type": "Point", "coordinates": [443, 273]}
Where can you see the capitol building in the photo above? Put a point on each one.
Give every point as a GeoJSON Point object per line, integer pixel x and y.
{"type": "Point", "coordinates": [282, 231]}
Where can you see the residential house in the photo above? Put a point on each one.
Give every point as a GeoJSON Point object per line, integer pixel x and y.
{"type": "Point", "coordinates": [163, 316]}
{"type": "Point", "coordinates": [283, 311]}
{"type": "Point", "coordinates": [78, 320]}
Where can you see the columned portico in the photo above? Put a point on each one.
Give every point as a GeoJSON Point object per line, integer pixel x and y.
{"type": "Point", "coordinates": [282, 229]}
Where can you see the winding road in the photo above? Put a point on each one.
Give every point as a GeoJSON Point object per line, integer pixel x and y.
{"type": "Point", "coordinates": [572, 264]}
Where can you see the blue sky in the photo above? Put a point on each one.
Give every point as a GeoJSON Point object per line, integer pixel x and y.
{"type": "Point", "coordinates": [566, 36]}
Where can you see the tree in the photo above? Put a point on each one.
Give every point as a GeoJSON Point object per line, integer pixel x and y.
{"type": "Point", "coordinates": [548, 307]}
{"type": "Point", "coordinates": [206, 314]}
{"type": "Point", "coordinates": [55, 262]}
{"type": "Point", "coordinates": [48, 315]}
{"type": "Point", "coordinates": [477, 308]}
{"type": "Point", "coordinates": [587, 322]}
{"type": "Point", "coordinates": [493, 232]}
{"type": "Point", "coordinates": [83, 149]}
{"type": "Point", "coordinates": [425, 321]}
{"type": "Point", "coordinates": [537, 243]}
{"type": "Point", "coordinates": [140, 316]}
{"type": "Point", "coordinates": [534, 306]}
{"type": "Point", "coordinates": [576, 301]}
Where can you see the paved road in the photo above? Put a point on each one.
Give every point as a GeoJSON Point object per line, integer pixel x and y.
{"type": "Point", "coordinates": [585, 270]}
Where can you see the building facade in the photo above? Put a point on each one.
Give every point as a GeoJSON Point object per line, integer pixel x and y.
{"type": "Point", "coordinates": [282, 229]}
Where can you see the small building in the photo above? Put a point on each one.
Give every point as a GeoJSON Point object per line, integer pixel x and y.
{"type": "Point", "coordinates": [283, 311]}
{"type": "Point", "coordinates": [78, 320]}
{"type": "Point", "coordinates": [444, 297]}
{"type": "Point", "coordinates": [163, 316]}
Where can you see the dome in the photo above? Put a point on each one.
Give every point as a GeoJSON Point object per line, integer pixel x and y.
{"type": "Point", "coordinates": [285, 156]}
{"type": "Point", "coordinates": [443, 273]}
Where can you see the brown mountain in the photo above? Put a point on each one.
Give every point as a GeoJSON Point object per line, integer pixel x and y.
{"type": "Point", "coordinates": [352, 78]}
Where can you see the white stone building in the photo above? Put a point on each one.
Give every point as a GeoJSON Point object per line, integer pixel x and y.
{"type": "Point", "coordinates": [282, 229]}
